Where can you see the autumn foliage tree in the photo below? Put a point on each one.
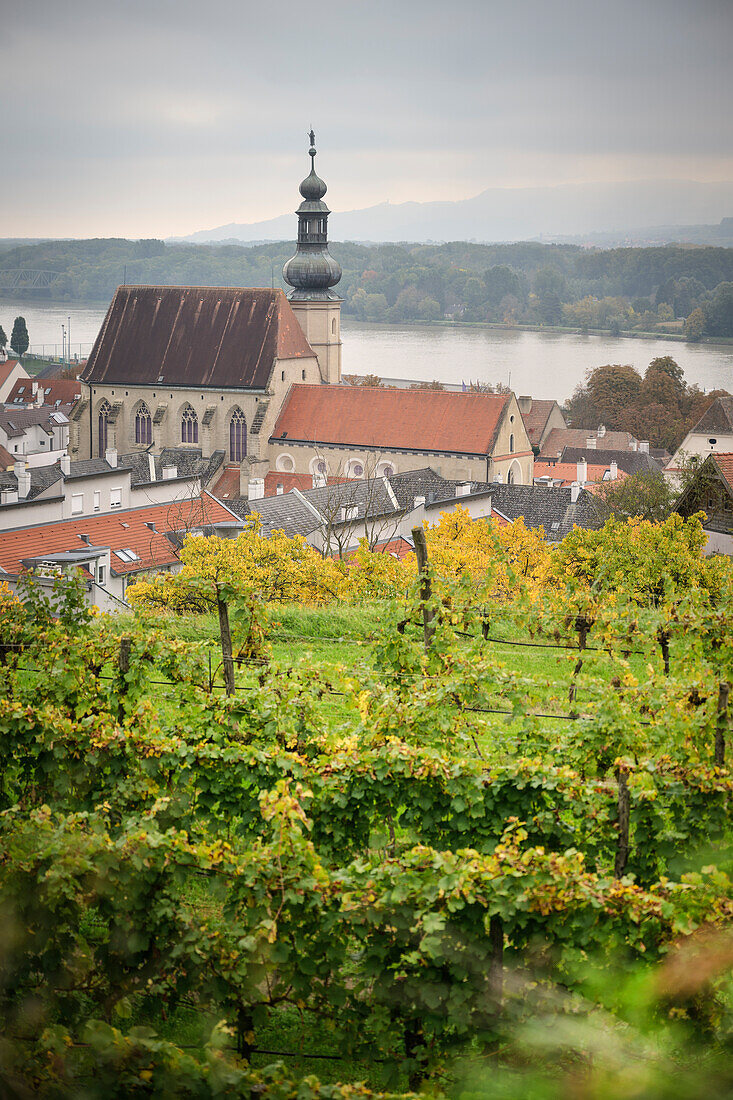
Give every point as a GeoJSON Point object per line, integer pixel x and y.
{"type": "Point", "coordinates": [659, 406]}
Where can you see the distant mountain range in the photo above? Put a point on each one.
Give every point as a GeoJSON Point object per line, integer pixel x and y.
{"type": "Point", "coordinates": [594, 213]}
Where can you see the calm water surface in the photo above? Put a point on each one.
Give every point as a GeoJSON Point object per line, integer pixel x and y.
{"type": "Point", "coordinates": [543, 364]}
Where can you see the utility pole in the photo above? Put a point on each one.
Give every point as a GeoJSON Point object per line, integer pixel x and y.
{"type": "Point", "coordinates": [63, 343]}
{"type": "Point", "coordinates": [68, 347]}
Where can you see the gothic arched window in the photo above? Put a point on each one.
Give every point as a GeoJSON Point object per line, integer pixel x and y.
{"type": "Point", "coordinates": [189, 425]}
{"type": "Point", "coordinates": [143, 425]}
{"type": "Point", "coordinates": [103, 426]}
{"type": "Point", "coordinates": [237, 436]}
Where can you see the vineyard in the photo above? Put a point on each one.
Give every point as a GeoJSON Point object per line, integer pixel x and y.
{"type": "Point", "coordinates": [306, 828]}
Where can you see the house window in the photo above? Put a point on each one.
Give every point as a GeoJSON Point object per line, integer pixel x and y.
{"type": "Point", "coordinates": [510, 477]}
{"type": "Point", "coordinates": [189, 426]}
{"type": "Point", "coordinates": [357, 470]}
{"type": "Point", "coordinates": [302, 375]}
{"type": "Point", "coordinates": [100, 574]}
{"type": "Point", "coordinates": [97, 500]}
{"type": "Point", "coordinates": [143, 425]}
{"type": "Point", "coordinates": [115, 498]}
{"type": "Point", "coordinates": [103, 426]}
{"type": "Point", "coordinates": [77, 504]}
{"type": "Point", "coordinates": [511, 444]}
{"type": "Point", "coordinates": [237, 436]}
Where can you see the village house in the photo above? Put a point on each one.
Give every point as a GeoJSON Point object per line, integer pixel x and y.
{"type": "Point", "coordinates": [114, 549]}
{"type": "Point", "coordinates": [12, 373]}
{"type": "Point", "coordinates": [712, 434]}
{"type": "Point", "coordinates": [711, 491]}
{"type": "Point", "coordinates": [47, 494]}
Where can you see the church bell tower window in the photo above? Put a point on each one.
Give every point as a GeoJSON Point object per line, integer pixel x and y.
{"type": "Point", "coordinates": [189, 426]}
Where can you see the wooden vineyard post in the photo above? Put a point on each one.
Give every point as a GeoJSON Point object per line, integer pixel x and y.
{"type": "Point", "coordinates": [496, 963]}
{"type": "Point", "coordinates": [226, 642]}
{"type": "Point", "coordinates": [123, 667]}
{"type": "Point", "coordinates": [582, 625]}
{"type": "Point", "coordinates": [426, 588]}
{"type": "Point", "coordinates": [663, 637]}
{"type": "Point", "coordinates": [721, 724]}
{"type": "Point", "coordinates": [624, 813]}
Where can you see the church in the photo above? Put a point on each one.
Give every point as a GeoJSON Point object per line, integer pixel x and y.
{"type": "Point", "coordinates": [256, 375]}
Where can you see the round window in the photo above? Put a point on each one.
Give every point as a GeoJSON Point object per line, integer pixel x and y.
{"type": "Point", "coordinates": [712, 441]}
{"type": "Point", "coordinates": [357, 469]}
{"type": "Point", "coordinates": [388, 471]}
{"type": "Point", "coordinates": [321, 468]}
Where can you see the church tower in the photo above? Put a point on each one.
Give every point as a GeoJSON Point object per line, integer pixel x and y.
{"type": "Point", "coordinates": [311, 272]}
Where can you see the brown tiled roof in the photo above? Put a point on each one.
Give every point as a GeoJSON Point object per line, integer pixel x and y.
{"type": "Point", "coordinates": [559, 438]}
{"type": "Point", "coordinates": [536, 418]}
{"type": "Point", "coordinates": [6, 459]}
{"type": "Point", "coordinates": [63, 390]}
{"type": "Point", "coordinates": [195, 336]}
{"type": "Point", "coordinates": [718, 417]}
{"type": "Point", "coordinates": [121, 531]}
{"type": "Point", "coordinates": [416, 420]}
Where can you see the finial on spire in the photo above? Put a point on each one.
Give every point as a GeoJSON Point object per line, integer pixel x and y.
{"type": "Point", "coordinates": [312, 137]}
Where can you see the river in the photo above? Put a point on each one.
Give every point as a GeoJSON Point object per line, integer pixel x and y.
{"type": "Point", "coordinates": [543, 364]}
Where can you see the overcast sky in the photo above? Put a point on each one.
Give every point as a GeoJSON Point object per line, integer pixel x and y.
{"type": "Point", "coordinates": [159, 117]}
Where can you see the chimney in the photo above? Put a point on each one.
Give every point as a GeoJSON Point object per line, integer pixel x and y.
{"type": "Point", "coordinates": [463, 490]}
{"type": "Point", "coordinates": [418, 502]}
{"type": "Point", "coordinates": [319, 480]}
{"type": "Point", "coordinates": [280, 489]}
{"type": "Point", "coordinates": [525, 404]}
{"type": "Point", "coordinates": [256, 488]}
{"type": "Point", "coordinates": [23, 475]}
{"type": "Point", "coordinates": [574, 492]}
{"type": "Point", "coordinates": [151, 467]}
{"type": "Point", "coordinates": [644, 446]}
{"type": "Point", "coordinates": [169, 473]}
{"type": "Point", "coordinates": [65, 464]}
{"type": "Point", "coordinates": [634, 445]}
{"type": "Point", "coordinates": [8, 496]}
{"type": "Point", "coordinates": [110, 456]}
{"type": "Point", "coordinates": [592, 443]}
{"type": "Point", "coordinates": [601, 431]}
{"type": "Point", "coordinates": [613, 470]}
{"type": "Point", "coordinates": [582, 471]}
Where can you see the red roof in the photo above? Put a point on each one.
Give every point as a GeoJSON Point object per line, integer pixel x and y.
{"type": "Point", "coordinates": [568, 471]}
{"type": "Point", "coordinates": [126, 530]}
{"type": "Point", "coordinates": [227, 487]}
{"type": "Point", "coordinates": [195, 336]}
{"type": "Point", "coordinates": [535, 419]}
{"type": "Point", "coordinates": [63, 390]}
{"type": "Point", "coordinates": [724, 462]}
{"type": "Point", "coordinates": [6, 368]}
{"type": "Point", "coordinates": [415, 420]}
{"type": "Point", "coordinates": [6, 459]}
{"type": "Point", "coordinates": [560, 438]}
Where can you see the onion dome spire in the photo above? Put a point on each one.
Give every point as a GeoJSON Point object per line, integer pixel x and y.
{"type": "Point", "coordinates": [312, 271]}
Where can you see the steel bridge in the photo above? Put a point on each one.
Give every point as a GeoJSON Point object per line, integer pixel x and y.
{"type": "Point", "coordinates": [21, 278]}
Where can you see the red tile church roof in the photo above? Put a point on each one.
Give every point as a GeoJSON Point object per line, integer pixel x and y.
{"type": "Point", "coordinates": [195, 336]}
{"type": "Point", "coordinates": [416, 420]}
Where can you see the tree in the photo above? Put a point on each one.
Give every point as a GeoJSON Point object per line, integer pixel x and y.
{"type": "Point", "coordinates": [607, 393]}
{"type": "Point", "coordinates": [643, 495]}
{"type": "Point", "coordinates": [695, 325]}
{"type": "Point", "coordinates": [3, 338]}
{"type": "Point", "coordinates": [719, 312]}
{"type": "Point", "coordinates": [19, 339]}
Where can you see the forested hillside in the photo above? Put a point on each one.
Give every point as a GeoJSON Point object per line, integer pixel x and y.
{"type": "Point", "coordinates": [623, 289]}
